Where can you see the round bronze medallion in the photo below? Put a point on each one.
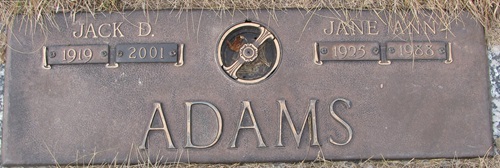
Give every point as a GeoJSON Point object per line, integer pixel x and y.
{"type": "Point", "coordinates": [248, 52]}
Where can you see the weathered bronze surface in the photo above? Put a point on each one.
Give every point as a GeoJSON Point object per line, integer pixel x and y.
{"type": "Point", "coordinates": [198, 112]}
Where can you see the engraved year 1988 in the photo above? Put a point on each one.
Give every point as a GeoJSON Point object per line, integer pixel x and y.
{"type": "Point", "coordinates": [406, 50]}
{"type": "Point", "coordinates": [416, 50]}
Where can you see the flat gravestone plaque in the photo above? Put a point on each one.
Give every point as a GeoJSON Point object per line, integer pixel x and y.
{"type": "Point", "coordinates": [249, 86]}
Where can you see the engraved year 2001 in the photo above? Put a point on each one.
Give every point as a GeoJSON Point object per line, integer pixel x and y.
{"type": "Point", "coordinates": [154, 52]}
{"type": "Point", "coordinates": [143, 52]}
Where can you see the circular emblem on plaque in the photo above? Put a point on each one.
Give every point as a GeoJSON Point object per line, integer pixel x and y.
{"type": "Point", "coordinates": [248, 52]}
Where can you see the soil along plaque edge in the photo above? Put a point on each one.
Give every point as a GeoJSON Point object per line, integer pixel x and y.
{"type": "Point", "coordinates": [249, 86]}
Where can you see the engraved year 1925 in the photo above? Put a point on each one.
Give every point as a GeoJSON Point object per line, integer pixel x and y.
{"type": "Point", "coordinates": [346, 51]}
{"type": "Point", "coordinates": [352, 51]}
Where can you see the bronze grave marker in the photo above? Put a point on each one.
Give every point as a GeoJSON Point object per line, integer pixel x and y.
{"type": "Point", "coordinates": [249, 86]}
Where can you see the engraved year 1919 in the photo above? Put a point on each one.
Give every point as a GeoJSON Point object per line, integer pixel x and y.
{"type": "Point", "coordinates": [77, 54]}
